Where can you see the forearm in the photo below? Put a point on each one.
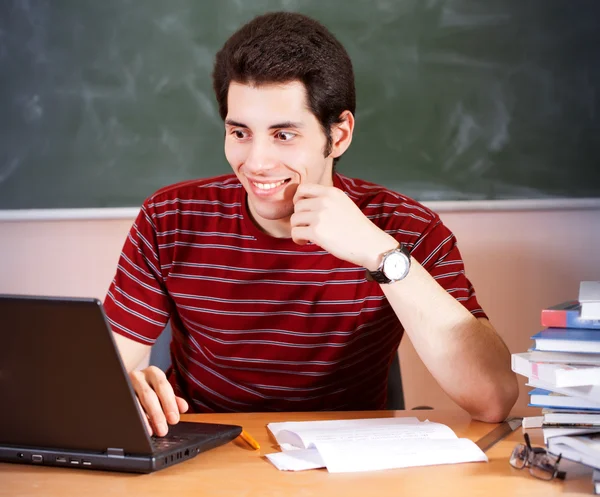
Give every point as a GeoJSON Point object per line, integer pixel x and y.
{"type": "Point", "coordinates": [464, 354]}
{"type": "Point", "coordinates": [132, 352]}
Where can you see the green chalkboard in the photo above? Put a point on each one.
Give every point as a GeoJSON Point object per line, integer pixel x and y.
{"type": "Point", "coordinates": [104, 102]}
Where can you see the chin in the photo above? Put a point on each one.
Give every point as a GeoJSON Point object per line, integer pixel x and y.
{"type": "Point", "coordinates": [275, 213]}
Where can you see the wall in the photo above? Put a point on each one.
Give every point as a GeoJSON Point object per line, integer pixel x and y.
{"type": "Point", "coordinates": [519, 262]}
{"type": "Point", "coordinates": [457, 99]}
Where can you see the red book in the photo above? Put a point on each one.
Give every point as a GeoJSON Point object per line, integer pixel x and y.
{"type": "Point", "coordinates": [567, 315]}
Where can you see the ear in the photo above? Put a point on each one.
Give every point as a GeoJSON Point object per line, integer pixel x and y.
{"type": "Point", "coordinates": [341, 134]}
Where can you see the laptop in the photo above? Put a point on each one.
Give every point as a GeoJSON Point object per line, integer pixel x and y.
{"type": "Point", "coordinates": [66, 399]}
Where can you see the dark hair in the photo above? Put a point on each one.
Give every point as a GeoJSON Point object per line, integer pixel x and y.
{"type": "Point", "coordinates": [281, 47]}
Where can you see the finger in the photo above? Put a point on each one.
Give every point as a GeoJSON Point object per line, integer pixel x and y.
{"type": "Point", "coordinates": [144, 417]}
{"type": "Point", "coordinates": [303, 173]}
{"type": "Point", "coordinates": [306, 204]}
{"type": "Point", "coordinates": [308, 190]}
{"type": "Point", "coordinates": [301, 235]}
{"type": "Point", "coordinates": [182, 404]}
{"type": "Point", "coordinates": [166, 396]}
{"type": "Point", "coordinates": [301, 218]}
{"type": "Point", "coordinates": [149, 400]}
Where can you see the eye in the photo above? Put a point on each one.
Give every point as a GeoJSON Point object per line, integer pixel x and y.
{"type": "Point", "coordinates": [284, 136]}
{"type": "Point", "coordinates": [240, 134]}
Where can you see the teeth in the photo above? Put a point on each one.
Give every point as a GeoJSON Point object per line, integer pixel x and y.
{"type": "Point", "coordinates": [268, 186]}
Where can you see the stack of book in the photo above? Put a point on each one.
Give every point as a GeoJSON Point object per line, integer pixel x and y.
{"type": "Point", "coordinates": [564, 369]}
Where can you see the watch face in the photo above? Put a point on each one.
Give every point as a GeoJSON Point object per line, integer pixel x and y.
{"type": "Point", "coordinates": [396, 266]}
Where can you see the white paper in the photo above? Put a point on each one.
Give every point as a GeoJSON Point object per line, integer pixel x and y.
{"type": "Point", "coordinates": [344, 457]}
{"type": "Point", "coordinates": [368, 444]}
{"type": "Point", "coordinates": [297, 460]}
{"type": "Point", "coordinates": [306, 435]}
{"type": "Point", "coordinates": [332, 424]}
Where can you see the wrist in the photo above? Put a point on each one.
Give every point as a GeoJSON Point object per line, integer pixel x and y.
{"type": "Point", "coordinates": [374, 256]}
{"type": "Point", "coordinates": [394, 267]}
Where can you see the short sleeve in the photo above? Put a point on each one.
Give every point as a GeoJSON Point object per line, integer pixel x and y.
{"type": "Point", "coordinates": [137, 304]}
{"type": "Point", "coordinates": [437, 251]}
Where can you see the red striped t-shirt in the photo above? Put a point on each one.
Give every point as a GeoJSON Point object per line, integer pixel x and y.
{"type": "Point", "coordinates": [260, 323]}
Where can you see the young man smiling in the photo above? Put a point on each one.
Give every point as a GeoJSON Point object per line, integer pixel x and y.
{"type": "Point", "coordinates": [288, 285]}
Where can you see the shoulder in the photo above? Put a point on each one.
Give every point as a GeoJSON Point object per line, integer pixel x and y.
{"type": "Point", "coordinates": [188, 199]}
{"type": "Point", "coordinates": [406, 219]}
{"type": "Point", "coordinates": [197, 189]}
{"type": "Point", "coordinates": [377, 201]}
{"type": "Point", "coordinates": [218, 190]}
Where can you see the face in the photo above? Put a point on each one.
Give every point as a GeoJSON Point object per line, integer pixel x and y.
{"type": "Point", "coordinates": [273, 143]}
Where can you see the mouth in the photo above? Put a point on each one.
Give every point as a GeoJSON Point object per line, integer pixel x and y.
{"type": "Point", "coordinates": [265, 188]}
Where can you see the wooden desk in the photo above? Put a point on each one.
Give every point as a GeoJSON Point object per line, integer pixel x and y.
{"type": "Point", "coordinates": [236, 470]}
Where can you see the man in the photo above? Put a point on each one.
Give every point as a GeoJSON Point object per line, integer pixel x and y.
{"type": "Point", "coordinates": [288, 285]}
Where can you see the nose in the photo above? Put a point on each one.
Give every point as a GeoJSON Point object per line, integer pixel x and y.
{"type": "Point", "coordinates": [260, 156]}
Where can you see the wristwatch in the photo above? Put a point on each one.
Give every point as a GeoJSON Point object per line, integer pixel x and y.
{"type": "Point", "coordinates": [394, 266]}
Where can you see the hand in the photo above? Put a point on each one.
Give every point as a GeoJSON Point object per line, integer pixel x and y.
{"type": "Point", "coordinates": [326, 216]}
{"type": "Point", "coordinates": [157, 399]}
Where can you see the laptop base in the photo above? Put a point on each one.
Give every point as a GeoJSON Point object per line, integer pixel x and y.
{"type": "Point", "coordinates": [116, 460]}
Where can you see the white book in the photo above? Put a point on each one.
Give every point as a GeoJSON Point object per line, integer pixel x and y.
{"type": "Point", "coordinates": [588, 393]}
{"type": "Point", "coordinates": [564, 357]}
{"type": "Point", "coordinates": [553, 400]}
{"type": "Point", "coordinates": [589, 299]}
{"type": "Point", "coordinates": [555, 374]}
{"type": "Point", "coordinates": [574, 376]}
{"type": "Point", "coordinates": [562, 432]}
{"type": "Point", "coordinates": [590, 310]}
{"type": "Point", "coordinates": [547, 410]}
{"type": "Point", "coordinates": [368, 444]}
{"type": "Point", "coordinates": [579, 448]}
{"type": "Point", "coordinates": [572, 418]}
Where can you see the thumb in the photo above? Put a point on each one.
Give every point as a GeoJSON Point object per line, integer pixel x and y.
{"type": "Point", "coordinates": [182, 404]}
{"type": "Point", "coordinates": [303, 173]}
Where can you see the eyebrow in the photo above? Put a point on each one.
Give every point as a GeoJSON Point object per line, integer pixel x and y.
{"type": "Point", "coordinates": [285, 124]}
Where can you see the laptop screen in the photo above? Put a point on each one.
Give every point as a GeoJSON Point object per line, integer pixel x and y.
{"type": "Point", "coordinates": [62, 382]}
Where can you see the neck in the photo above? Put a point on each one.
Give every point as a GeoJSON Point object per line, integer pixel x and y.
{"type": "Point", "coordinates": [280, 228]}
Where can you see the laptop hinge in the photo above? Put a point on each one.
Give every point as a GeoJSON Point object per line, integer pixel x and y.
{"type": "Point", "coordinates": [112, 452]}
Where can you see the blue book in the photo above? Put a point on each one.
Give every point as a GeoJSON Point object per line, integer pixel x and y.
{"type": "Point", "coordinates": [567, 340]}
{"type": "Point", "coordinates": [567, 315]}
{"type": "Point", "coordinates": [538, 397]}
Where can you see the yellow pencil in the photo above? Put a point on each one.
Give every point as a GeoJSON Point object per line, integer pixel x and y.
{"type": "Point", "coordinates": [249, 439]}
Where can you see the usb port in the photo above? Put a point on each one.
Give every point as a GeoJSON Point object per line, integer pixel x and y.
{"type": "Point", "coordinates": [74, 461]}
{"type": "Point", "coordinates": [61, 459]}
{"type": "Point", "coordinates": [86, 463]}
{"type": "Point", "coordinates": [37, 458]}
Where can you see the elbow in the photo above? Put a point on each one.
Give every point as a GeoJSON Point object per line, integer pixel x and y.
{"type": "Point", "coordinates": [499, 402]}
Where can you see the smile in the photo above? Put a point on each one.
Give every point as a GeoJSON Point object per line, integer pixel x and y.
{"type": "Point", "coordinates": [269, 186]}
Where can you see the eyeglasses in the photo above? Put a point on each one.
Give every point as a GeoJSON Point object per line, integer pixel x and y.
{"type": "Point", "coordinates": [541, 464]}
